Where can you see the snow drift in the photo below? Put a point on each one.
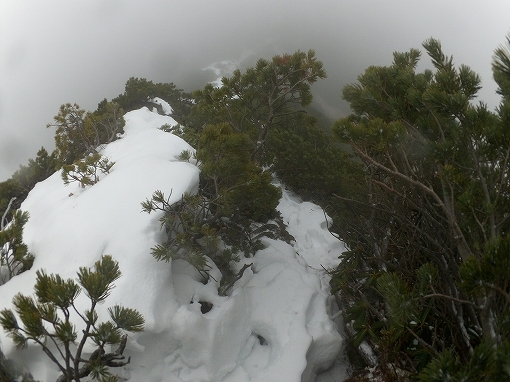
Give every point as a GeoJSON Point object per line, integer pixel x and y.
{"type": "Point", "coordinates": [274, 326]}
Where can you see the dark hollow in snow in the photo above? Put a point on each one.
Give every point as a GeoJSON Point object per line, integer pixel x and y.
{"type": "Point", "coordinates": [262, 340]}
{"type": "Point", "coordinates": [205, 306]}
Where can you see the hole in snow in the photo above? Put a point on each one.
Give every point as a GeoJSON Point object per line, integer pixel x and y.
{"type": "Point", "coordinates": [324, 225]}
{"type": "Point", "coordinates": [205, 306]}
{"type": "Point", "coordinates": [256, 354]}
{"type": "Point", "coordinates": [262, 340]}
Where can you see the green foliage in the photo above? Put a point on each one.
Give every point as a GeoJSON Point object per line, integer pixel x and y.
{"type": "Point", "coordinates": [14, 255]}
{"type": "Point", "coordinates": [308, 161]}
{"type": "Point", "coordinates": [230, 180]}
{"type": "Point", "coordinates": [261, 99]}
{"type": "Point", "coordinates": [70, 139]}
{"type": "Point", "coordinates": [197, 235]}
{"type": "Point", "coordinates": [188, 133]}
{"type": "Point", "coordinates": [8, 199]}
{"type": "Point", "coordinates": [139, 92]}
{"type": "Point", "coordinates": [426, 217]}
{"type": "Point", "coordinates": [443, 368]}
{"type": "Point", "coordinates": [488, 363]}
{"type": "Point", "coordinates": [400, 304]}
{"type": "Point", "coordinates": [126, 318]}
{"type": "Point", "coordinates": [235, 200]}
{"type": "Point", "coordinates": [190, 237]}
{"type": "Point", "coordinates": [35, 171]}
{"type": "Point", "coordinates": [106, 123]}
{"type": "Point", "coordinates": [229, 126]}
{"type": "Point", "coordinates": [167, 128]}
{"type": "Point", "coordinates": [488, 274]}
{"type": "Point", "coordinates": [88, 171]}
{"type": "Point", "coordinates": [78, 133]}
{"type": "Point", "coordinates": [186, 155]}
{"type": "Point", "coordinates": [45, 319]}
{"type": "Point", "coordinates": [24, 179]}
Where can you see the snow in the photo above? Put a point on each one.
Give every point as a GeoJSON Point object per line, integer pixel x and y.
{"type": "Point", "coordinates": [165, 106]}
{"type": "Point", "coordinates": [274, 326]}
{"type": "Point", "coordinates": [309, 225]}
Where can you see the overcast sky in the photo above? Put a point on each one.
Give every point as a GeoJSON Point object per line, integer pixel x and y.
{"type": "Point", "coordinates": [58, 51]}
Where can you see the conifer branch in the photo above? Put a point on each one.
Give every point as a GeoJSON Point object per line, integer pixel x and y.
{"type": "Point", "coordinates": [451, 298]}
{"type": "Point", "coordinates": [422, 342]}
{"type": "Point", "coordinates": [4, 216]}
{"type": "Point", "coordinates": [34, 313]}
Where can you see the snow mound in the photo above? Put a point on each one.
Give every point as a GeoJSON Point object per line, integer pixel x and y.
{"type": "Point", "coordinates": [165, 106]}
{"type": "Point", "coordinates": [308, 223]}
{"type": "Point", "coordinates": [275, 325]}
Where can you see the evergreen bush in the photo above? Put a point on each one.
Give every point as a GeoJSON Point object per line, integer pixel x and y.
{"type": "Point", "coordinates": [46, 320]}
{"type": "Point", "coordinates": [87, 171]}
{"type": "Point", "coordinates": [425, 280]}
{"type": "Point", "coordinates": [14, 255]}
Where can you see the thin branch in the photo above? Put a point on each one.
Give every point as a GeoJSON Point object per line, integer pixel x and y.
{"type": "Point", "coordinates": [4, 216]}
{"type": "Point", "coordinates": [459, 236]}
{"type": "Point", "coordinates": [451, 298]}
{"type": "Point", "coordinates": [422, 342]}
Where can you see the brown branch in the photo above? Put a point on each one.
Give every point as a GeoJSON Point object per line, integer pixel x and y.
{"type": "Point", "coordinates": [2, 223]}
{"type": "Point", "coordinates": [451, 298]}
{"type": "Point", "coordinates": [422, 342]}
{"type": "Point", "coordinates": [459, 236]}
{"type": "Point", "coordinates": [224, 289]}
{"type": "Point", "coordinates": [500, 290]}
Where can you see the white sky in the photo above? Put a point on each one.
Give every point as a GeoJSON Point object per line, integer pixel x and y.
{"type": "Point", "coordinates": [56, 51]}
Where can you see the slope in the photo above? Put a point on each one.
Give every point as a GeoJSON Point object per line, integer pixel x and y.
{"type": "Point", "coordinates": [274, 326]}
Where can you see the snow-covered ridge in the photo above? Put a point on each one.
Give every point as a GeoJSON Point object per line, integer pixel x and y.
{"type": "Point", "coordinates": [275, 325]}
{"type": "Point", "coordinates": [165, 106]}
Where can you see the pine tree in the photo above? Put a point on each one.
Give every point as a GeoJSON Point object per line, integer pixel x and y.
{"type": "Point", "coordinates": [46, 320]}
{"type": "Point", "coordinates": [14, 255]}
{"type": "Point", "coordinates": [35, 171]}
{"type": "Point", "coordinates": [24, 179]}
{"type": "Point", "coordinates": [106, 124]}
{"type": "Point", "coordinates": [229, 178]}
{"type": "Point", "coordinates": [139, 92]}
{"type": "Point", "coordinates": [230, 126]}
{"type": "Point", "coordinates": [432, 203]}
{"type": "Point", "coordinates": [71, 141]}
{"type": "Point", "coordinates": [78, 133]}
{"type": "Point", "coordinates": [262, 98]}
{"type": "Point", "coordinates": [87, 171]}
{"type": "Point", "coordinates": [234, 203]}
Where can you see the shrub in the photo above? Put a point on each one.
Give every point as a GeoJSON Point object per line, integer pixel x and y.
{"type": "Point", "coordinates": [87, 171]}
{"type": "Point", "coordinates": [14, 255]}
{"type": "Point", "coordinates": [46, 320]}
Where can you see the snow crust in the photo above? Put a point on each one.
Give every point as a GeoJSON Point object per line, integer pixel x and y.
{"type": "Point", "coordinates": [275, 325]}
{"type": "Point", "coordinates": [165, 106]}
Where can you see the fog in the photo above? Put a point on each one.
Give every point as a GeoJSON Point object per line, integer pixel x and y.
{"type": "Point", "coordinates": [57, 51]}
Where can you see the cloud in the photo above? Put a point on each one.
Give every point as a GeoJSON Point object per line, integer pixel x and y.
{"type": "Point", "coordinates": [83, 51]}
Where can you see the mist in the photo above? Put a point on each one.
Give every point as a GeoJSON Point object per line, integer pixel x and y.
{"type": "Point", "coordinates": [58, 51]}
